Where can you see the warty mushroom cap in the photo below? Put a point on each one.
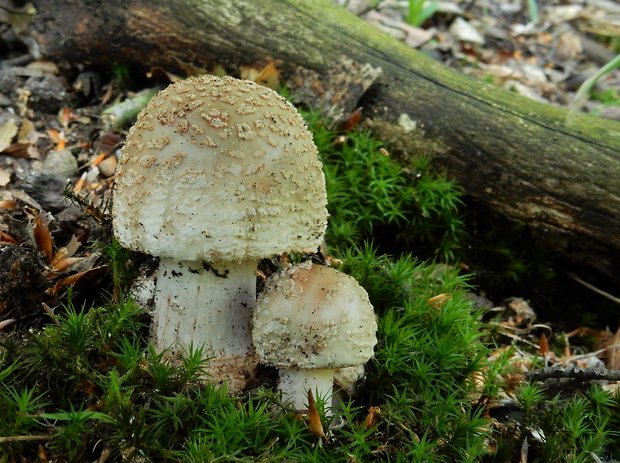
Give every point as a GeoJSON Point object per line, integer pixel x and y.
{"type": "Point", "coordinates": [219, 169]}
{"type": "Point", "coordinates": [313, 316]}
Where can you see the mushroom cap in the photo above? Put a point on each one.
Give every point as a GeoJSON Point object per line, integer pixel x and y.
{"type": "Point", "coordinates": [313, 316]}
{"type": "Point", "coordinates": [219, 169]}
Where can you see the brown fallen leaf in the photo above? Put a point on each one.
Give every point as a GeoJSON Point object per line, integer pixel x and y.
{"type": "Point", "coordinates": [613, 351]}
{"type": "Point", "coordinates": [42, 454]}
{"type": "Point", "coordinates": [58, 138]}
{"type": "Point", "coordinates": [66, 251]}
{"type": "Point", "coordinates": [6, 238]}
{"type": "Point", "coordinates": [268, 75]}
{"type": "Point", "coordinates": [543, 345]}
{"type": "Point", "coordinates": [98, 159]}
{"type": "Point", "coordinates": [109, 142]}
{"type": "Point", "coordinates": [371, 418]}
{"type": "Point", "coordinates": [314, 420]}
{"type": "Point", "coordinates": [157, 71]}
{"type": "Point", "coordinates": [21, 150]}
{"type": "Point", "coordinates": [65, 264]}
{"type": "Point", "coordinates": [42, 235]}
{"type": "Point", "coordinates": [353, 120]}
{"type": "Point", "coordinates": [8, 204]}
{"type": "Point", "coordinates": [66, 116]}
{"type": "Point", "coordinates": [73, 279]}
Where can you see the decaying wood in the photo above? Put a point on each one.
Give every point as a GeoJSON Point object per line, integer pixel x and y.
{"type": "Point", "coordinates": [517, 156]}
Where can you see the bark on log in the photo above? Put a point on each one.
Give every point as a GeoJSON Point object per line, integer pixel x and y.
{"type": "Point", "coordinates": [515, 155]}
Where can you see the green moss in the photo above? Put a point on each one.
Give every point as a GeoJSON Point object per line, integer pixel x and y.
{"type": "Point", "coordinates": [569, 428]}
{"type": "Point", "coordinates": [89, 382]}
{"type": "Point", "coordinates": [371, 197]}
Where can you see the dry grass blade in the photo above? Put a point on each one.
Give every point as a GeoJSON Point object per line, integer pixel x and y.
{"type": "Point", "coordinates": [8, 439]}
{"type": "Point", "coordinates": [439, 300]}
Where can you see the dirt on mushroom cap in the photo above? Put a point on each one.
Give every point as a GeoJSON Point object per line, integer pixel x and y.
{"type": "Point", "coordinates": [314, 317]}
{"type": "Point", "coordinates": [219, 169]}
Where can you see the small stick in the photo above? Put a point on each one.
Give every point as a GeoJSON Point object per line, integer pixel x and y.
{"type": "Point", "coordinates": [605, 294]}
{"type": "Point", "coordinates": [572, 372]}
{"type": "Point", "coordinates": [6, 439]}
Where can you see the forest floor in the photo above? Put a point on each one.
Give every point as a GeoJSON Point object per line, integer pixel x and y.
{"type": "Point", "coordinates": [61, 132]}
{"type": "Point", "coordinates": [544, 54]}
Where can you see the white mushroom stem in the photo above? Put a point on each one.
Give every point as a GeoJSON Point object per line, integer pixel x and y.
{"type": "Point", "coordinates": [295, 382]}
{"type": "Point", "coordinates": [209, 305]}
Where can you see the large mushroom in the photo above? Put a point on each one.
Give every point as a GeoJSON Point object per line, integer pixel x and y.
{"type": "Point", "coordinates": [310, 321]}
{"type": "Point", "coordinates": [216, 174]}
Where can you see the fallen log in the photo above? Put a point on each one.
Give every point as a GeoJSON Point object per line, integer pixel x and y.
{"type": "Point", "coordinates": [516, 156]}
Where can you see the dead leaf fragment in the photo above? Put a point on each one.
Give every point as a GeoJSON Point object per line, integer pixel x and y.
{"type": "Point", "coordinates": [66, 251]}
{"type": "Point", "coordinates": [314, 420]}
{"type": "Point", "coordinates": [9, 204]}
{"type": "Point", "coordinates": [613, 351]}
{"type": "Point", "coordinates": [371, 418]}
{"type": "Point", "coordinates": [5, 177]}
{"type": "Point", "coordinates": [268, 75]}
{"type": "Point", "coordinates": [72, 279]}
{"type": "Point", "coordinates": [6, 238]}
{"type": "Point", "coordinates": [66, 263]}
{"type": "Point", "coordinates": [353, 120]}
{"type": "Point", "coordinates": [8, 130]}
{"type": "Point", "coordinates": [58, 138]}
{"type": "Point", "coordinates": [465, 32]}
{"type": "Point", "coordinates": [439, 300]}
{"type": "Point", "coordinates": [543, 345]}
{"type": "Point", "coordinates": [47, 67]}
{"type": "Point", "coordinates": [42, 235]}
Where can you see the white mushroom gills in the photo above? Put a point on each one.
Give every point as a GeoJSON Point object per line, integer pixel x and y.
{"type": "Point", "coordinates": [216, 174]}
{"type": "Point", "coordinates": [310, 321]}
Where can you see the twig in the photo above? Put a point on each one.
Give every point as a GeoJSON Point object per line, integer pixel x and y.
{"type": "Point", "coordinates": [594, 288]}
{"type": "Point", "coordinates": [11, 11]}
{"type": "Point", "coordinates": [6, 323]}
{"type": "Point", "coordinates": [6, 439]}
{"type": "Point", "coordinates": [572, 372]}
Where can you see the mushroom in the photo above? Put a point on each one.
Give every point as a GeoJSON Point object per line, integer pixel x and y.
{"type": "Point", "coordinates": [310, 321]}
{"type": "Point", "coordinates": [216, 174]}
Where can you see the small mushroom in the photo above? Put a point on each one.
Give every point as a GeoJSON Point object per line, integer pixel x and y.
{"type": "Point", "coordinates": [310, 321]}
{"type": "Point", "coordinates": [216, 174]}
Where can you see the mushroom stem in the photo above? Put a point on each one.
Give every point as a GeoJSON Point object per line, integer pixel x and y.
{"type": "Point", "coordinates": [295, 382]}
{"type": "Point", "coordinates": [209, 305]}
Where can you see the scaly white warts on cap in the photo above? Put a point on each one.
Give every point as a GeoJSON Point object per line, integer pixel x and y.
{"type": "Point", "coordinates": [216, 174]}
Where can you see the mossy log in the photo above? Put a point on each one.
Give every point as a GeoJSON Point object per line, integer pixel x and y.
{"type": "Point", "coordinates": [517, 156]}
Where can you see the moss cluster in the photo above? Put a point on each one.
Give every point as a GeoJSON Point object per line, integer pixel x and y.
{"type": "Point", "coordinates": [371, 198]}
